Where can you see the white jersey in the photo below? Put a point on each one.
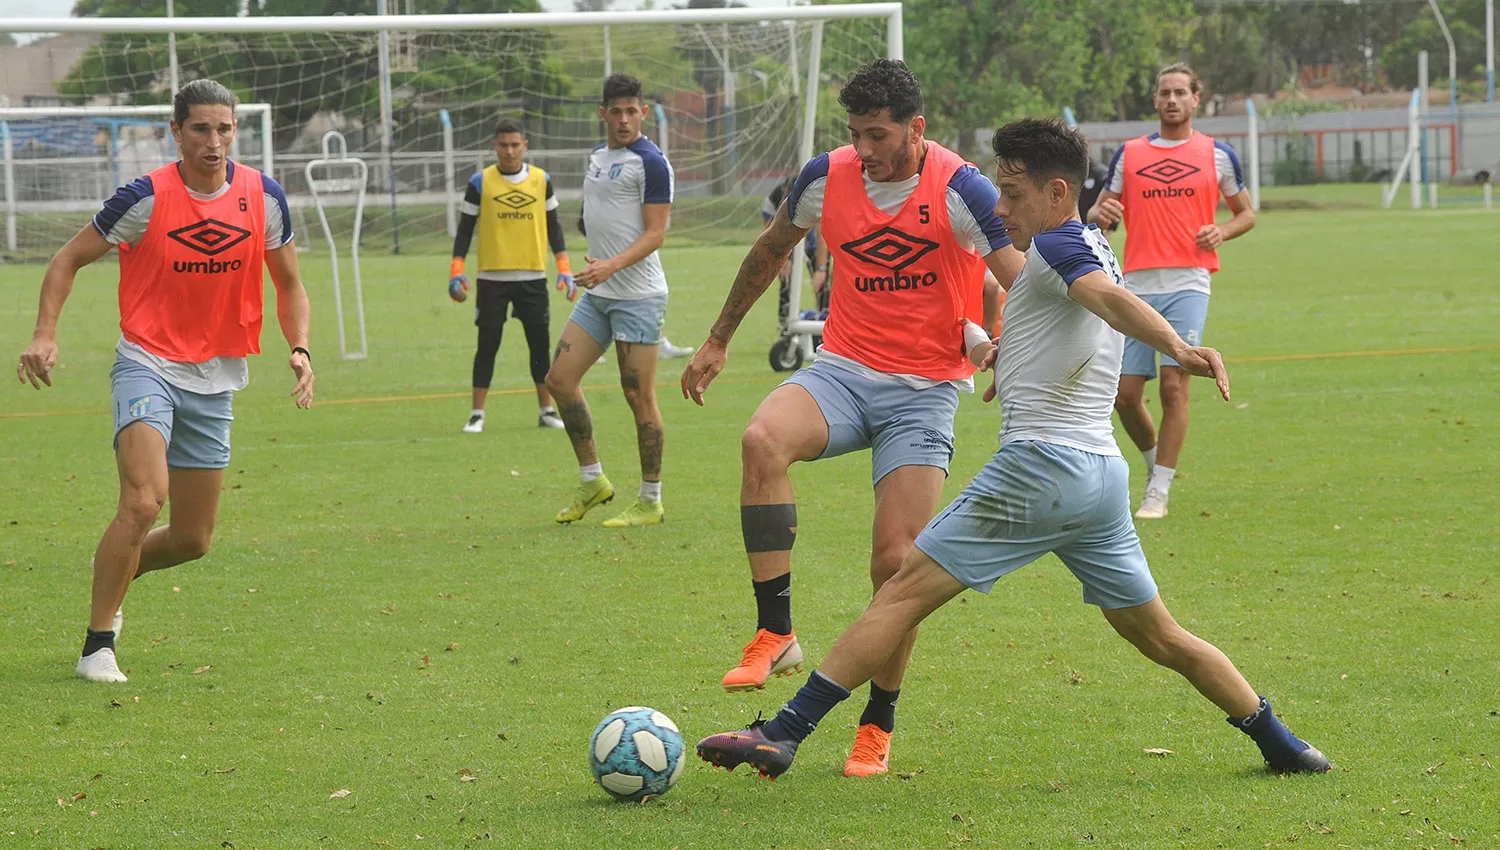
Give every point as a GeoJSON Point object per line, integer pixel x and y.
{"type": "Point", "coordinates": [124, 218]}
{"type": "Point", "coordinates": [1162, 281]}
{"type": "Point", "coordinates": [1059, 364]}
{"type": "Point", "coordinates": [618, 182]}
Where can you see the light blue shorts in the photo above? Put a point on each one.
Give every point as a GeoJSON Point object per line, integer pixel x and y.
{"type": "Point", "coordinates": [611, 319]}
{"type": "Point", "coordinates": [1034, 498]}
{"type": "Point", "coordinates": [196, 427]}
{"type": "Point", "coordinates": [902, 426]}
{"type": "Point", "coordinates": [1186, 312]}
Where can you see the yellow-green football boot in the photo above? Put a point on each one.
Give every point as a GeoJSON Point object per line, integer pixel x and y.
{"type": "Point", "coordinates": [641, 512]}
{"type": "Point", "coordinates": [589, 495]}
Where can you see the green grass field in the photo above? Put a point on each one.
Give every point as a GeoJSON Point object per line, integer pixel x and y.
{"type": "Point", "coordinates": [389, 609]}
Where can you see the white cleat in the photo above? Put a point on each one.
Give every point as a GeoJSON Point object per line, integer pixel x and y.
{"type": "Point", "coordinates": [549, 419]}
{"type": "Point", "coordinates": [672, 352]}
{"type": "Point", "coordinates": [100, 667]}
{"type": "Point", "coordinates": [1154, 506]}
{"type": "Point", "coordinates": [475, 425]}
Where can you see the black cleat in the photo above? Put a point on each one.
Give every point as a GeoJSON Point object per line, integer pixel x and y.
{"type": "Point", "coordinates": [748, 746]}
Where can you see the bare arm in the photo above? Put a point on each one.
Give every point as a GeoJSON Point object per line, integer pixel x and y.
{"type": "Point", "coordinates": [755, 274]}
{"type": "Point", "coordinates": [294, 313]}
{"type": "Point", "coordinates": [1210, 236]}
{"type": "Point", "coordinates": [1129, 315]}
{"type": "Point", "coordinates": [654, 232]}
{"type": "Point", "coordinates": [41, 355]}
{"type": "Point", "coordinates": [1107, 210]}
{"type": "Point", "coordinates": [991, 300]}
{"type": "Point", "coordinates": [1005, 264]}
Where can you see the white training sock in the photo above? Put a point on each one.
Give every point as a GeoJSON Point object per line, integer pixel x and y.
{"type": "Point", "coordinates": [1161, 479]}
{"type": "Point", "coordinates": [1150, 456]}
{"type": "Point", "coordinates": [651, 491]}
{"type": "Point", "coordinates": [547, 408]}
{"type": "Point", "coordinates": [477, 412]}
{"type": "Point", "coordinates": [590, 472]}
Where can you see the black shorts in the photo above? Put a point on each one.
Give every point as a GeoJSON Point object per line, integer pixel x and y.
{"type": "Point", "coordinates": [528, 298]}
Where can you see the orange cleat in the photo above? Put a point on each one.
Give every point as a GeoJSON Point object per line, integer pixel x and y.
{"type": "Point", "coordinates": [767, 654]}
{"type": "Point", "coordinates": [872, 752]}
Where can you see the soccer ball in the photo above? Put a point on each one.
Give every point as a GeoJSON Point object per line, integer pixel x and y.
{"type": "Point", "coordinates": [636, 753]}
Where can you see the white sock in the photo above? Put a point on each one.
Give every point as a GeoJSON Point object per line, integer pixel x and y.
{"type": "Point", "coordinates": [547, 408]}
{"type": "Point", "coordinates": [477, 412]}
{"type": "Point", "coordinates": [590, 471]}
{"type": "Point", "coordinates": [1150, 456]}
{"type": "Point", "coordinates": [651, 491]}
{"type": "Point", "coordinates": [1161, 479]}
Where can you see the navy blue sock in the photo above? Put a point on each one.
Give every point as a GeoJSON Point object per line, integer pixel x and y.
{"type": "Point", "coordinates": [881, 709]}
{"type": "Point", "coordinates": [94, 641]}
{"type": "Point", "coordinates": [799, 717]}
{"type": "Point", "coordinates": [1276, 742]}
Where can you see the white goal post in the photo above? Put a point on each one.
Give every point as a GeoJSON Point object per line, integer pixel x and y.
{"type": "Point", "coordinates": [746, 91]}
{"type": "Point", "coordinates": [14, 206]}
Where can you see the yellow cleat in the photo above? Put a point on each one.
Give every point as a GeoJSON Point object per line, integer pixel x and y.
{"type": "Point", "coordinates": [589, 495]}
{"type": "Point", "coordinates": [640, 513]}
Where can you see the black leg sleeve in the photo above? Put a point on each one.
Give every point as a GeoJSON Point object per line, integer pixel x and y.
{"type": "Point", "coordinates": [484, 355]}
{"type": "Point", "coordinates": [538, 341]}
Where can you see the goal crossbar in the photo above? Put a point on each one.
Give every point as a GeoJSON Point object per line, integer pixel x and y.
{"type": "Point", "coordinates": [512, 20]}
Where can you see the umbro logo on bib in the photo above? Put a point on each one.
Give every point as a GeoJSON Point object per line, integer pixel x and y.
{"type": "Point", "coordinates": [1168, 171]}
{"type": "Point", "coordinates": [209, 236]}
{"type": "Point", "coordinates": [891, 248]}
{"type": "Point", "coordinates": [515, 199]}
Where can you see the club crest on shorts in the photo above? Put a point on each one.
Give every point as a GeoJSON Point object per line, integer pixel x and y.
{"type": "Point", "coordinates": [139, 406]}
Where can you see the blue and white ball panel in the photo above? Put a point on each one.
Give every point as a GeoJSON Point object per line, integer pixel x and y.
{"type": "Point", "coordinates": [1033, 498]}
{"type": "Point", "coordinates": [635, 753]}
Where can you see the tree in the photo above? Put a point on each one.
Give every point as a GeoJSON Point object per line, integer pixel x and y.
{"type": "Point", "coordinates": [304, 73]}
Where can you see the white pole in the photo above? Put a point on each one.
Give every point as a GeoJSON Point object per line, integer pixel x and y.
{"type": "Point", "coordinates": [450, 206]}
{"type": "Point", "coordinates": [1452, 84]}
{"type": "Point", "coordinates": [10, 187]}
{"type": "Point", "coordinates": [1252, 152]}
{"type": "Point", "coordinates": [731, 117]}
{"type": "Point", "coordinates": [895, 46]}
{"type": "Point", "coordinates": [172, 53]}
{"type": "Point", "coordinates": [386, 142]}
{"type": "Point", "coordinates": [267, 149]}
{"type": "Point", "coordinates": [1414, 149]}
{"type": "Point", "coordinates": [1423, 82]}
{"type": "Point", "coordinates": [1489, 50]}
{"type": "Point", "coordinates": [1489, 194]}
{"type": "Point", "coordinates": [609, 58]}
{"type": "Point", "coordinates": [792, 63]}
{"type": "Point", "coordinates": [805, 153]}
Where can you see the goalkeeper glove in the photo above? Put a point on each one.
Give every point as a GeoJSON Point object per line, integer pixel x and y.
{"type": "Point", "coordinates": [458, 282]}
{"type": "Point", "coordinates": [565, 282]}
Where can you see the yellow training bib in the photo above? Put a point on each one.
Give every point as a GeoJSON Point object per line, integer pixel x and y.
{"type": "Point", "coordinates": [513, 222]}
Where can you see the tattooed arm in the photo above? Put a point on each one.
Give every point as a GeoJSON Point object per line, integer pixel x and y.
{"type": "Point", "coordinates": [756, 274]}
{"type": "Point", "coordinates": [754, 278]}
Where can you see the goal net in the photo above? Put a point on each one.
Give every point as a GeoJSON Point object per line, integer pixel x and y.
{"type": "Point", "coordinates": [418, 101]}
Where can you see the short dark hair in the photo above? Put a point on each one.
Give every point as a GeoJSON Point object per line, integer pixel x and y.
{"type": "Point", "coordinates": [1195, 85]}
{"type": "Point", "coordinates": [203, 92]}
{"type": "Point", "coordinates": [1045, 147]}
{"type": "Point", "coordinates": [618, 86]}
{"type": "Point", "coordinates": [883, 84]}
{"type": "Point", "coordinates": [509, 125]}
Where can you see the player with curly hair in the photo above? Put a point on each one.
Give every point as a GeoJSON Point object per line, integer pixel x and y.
{"type": "Point", "coordinates": [913, 228]}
